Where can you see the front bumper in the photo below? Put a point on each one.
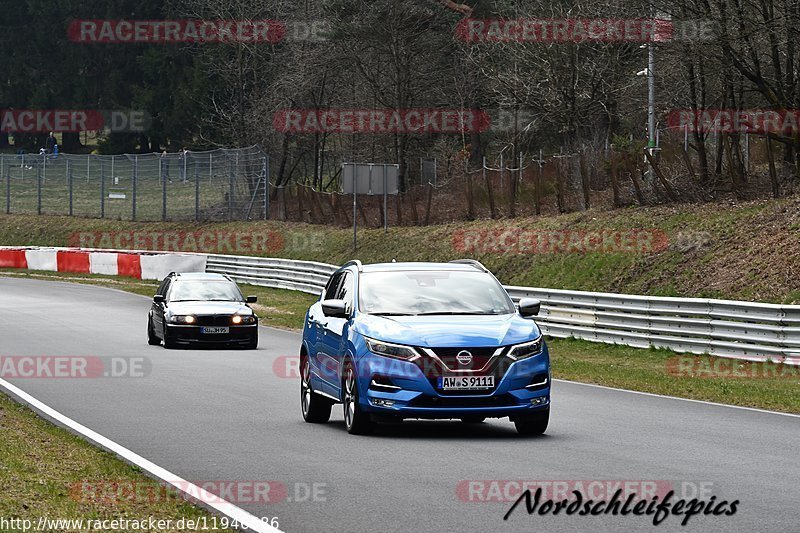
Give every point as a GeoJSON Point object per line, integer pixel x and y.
{"type": "Point", "coordinates": [522, 388]}
{"type": "Point", "coordinates": [188, 334]}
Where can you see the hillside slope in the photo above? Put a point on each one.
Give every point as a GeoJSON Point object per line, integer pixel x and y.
{"type": "Point", "coordinates": [747, 251]}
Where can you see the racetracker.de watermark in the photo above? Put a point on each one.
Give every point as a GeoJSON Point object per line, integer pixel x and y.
{"type": "Point", "coordinates": [728, 368]}
{"type": "Point", "coordinates": [578, 30]}
{"type": "Point", "coordinates": [111, 491]}
{"type": "Point", "coordinates": [218, 242]}
{"type": "Point", "coordinates": [73, 367]}
{"type": "Point", "coordinates": [196, 31]}
{"type": "Point", "coordinates": [519, 241]}
{"type": "Point", "coordinates": [760, 121]}
{"type": "Point", "coordinates": [73, 120]}
{"type": "Point", "coordinates": [378, 121]}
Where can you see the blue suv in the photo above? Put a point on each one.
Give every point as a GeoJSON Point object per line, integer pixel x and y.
{"type": "Point", "coordinates": [423, 340]}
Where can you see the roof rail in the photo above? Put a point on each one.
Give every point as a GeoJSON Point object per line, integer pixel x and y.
{"type": "Point", "coordinates": [472, 262]}
{"type": "Point", "coordinates": [353, 262]}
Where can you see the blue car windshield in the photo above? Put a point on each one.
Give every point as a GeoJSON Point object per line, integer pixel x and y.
{"type": "Point", "coordinates": [432, 293]}
{"type": "Point", "coordinates": [203, 291]}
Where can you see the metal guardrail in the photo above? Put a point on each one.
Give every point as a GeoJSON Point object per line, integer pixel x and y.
{"type": "Point", "coordinates": [725, 328]}
{"type": "Point", "coordinates": [305, 276]}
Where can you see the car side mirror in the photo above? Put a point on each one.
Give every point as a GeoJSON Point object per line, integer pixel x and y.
{"type": "Point", "coordinates": [159, 298]}
{"type": "Point", "coordinates": [335, 308]}
{"type": "Point", "coordinates": [529, 307]}
{"type": "Point", "coordinates": [251, 299]}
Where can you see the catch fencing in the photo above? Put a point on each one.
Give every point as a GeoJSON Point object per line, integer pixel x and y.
{"type": "Point", "coordinates": [223, 184]}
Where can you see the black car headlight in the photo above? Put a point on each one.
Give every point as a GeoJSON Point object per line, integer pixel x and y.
{"type": "Point", "coordinates": [395, 351]}
{"type": "Point", "coordinates": [182, 319]}
{"type": "Point", "coordinates": [243, 319]}
{"type": "Point", "coordinates": [525, 350]}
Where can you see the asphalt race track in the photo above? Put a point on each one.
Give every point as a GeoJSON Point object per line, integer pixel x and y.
{"type": "Point", "coordinates": [213, 414]}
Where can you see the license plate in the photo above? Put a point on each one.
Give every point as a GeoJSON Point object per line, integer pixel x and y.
{"type": "Point", "coordinates": [466, 382]}
{"type": "Point", "coordinates": [214, 330]}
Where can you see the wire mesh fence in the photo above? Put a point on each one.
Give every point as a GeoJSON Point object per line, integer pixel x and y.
{"type": "Point", "coordinates": [223, 184]}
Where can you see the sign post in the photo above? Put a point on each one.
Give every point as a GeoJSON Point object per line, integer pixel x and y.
{"type": "Point", "coordinates": [357, 178]}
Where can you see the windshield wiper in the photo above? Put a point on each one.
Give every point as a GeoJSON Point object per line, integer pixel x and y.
{"type": "Point", "coordinates": [457, 313]}
{"type": "Point", "coordinates": [393, 314]}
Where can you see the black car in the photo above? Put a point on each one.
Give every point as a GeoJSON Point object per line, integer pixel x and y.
{"type": "Point", "coordinates": [201, 308]}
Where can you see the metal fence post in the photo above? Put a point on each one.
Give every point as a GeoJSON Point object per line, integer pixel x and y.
{"type": "Point", "coordinates": [163, 192]}
{"type": "Point", "coordinates": [196, 192]}
{"type": "Point", "coordinates": [135, 176]}
{"type": "Point", "coordinates": [69, 184]}
{"type": "Point", "coordinates": [8, 190]}
{"type": "Point", "coordinates": [103, 188]}
{"type": "Point", "coordinates": [39, 189]}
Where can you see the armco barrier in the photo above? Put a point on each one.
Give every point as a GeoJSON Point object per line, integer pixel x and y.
{"type": "Point", "coordinates": [726, 328]}
{"type": "Point", "coordinates": [742, 330]}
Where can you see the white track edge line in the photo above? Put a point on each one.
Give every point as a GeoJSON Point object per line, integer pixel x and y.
{"type": "Point", "coordinates": [766, 411]}
{"type": "Point", "coordinates": [205, 499]}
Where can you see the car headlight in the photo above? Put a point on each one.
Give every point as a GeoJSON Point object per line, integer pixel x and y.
{"type": "Point", "coordinates": [395, 351]}
{"type": "Point", "coordinates": [182, 319]}
{"type": "Point", "coordinates": [525, 350]}
{"type": "Point", "coordinates": [243, 319]}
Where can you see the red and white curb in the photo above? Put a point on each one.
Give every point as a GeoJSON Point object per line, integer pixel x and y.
{"type": "Point", "coordinates": [132, 264]}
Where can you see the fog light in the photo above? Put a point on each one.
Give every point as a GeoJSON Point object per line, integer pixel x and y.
{"type": "Point", "coordinates": [539, 401]}
{"type": "Point", "coordinates": [383, 403]}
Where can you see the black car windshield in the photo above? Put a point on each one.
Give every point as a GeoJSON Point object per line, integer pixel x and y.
{"type": "Point", "coordinates": [432, 293]}
{"type": "Point", "coordinates": [195, 291]}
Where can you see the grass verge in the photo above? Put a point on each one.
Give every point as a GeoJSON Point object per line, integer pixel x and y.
{"type": "Point", "coordinates": [44, 469]}
{"type": "Point", "coordinates": [773, 387]}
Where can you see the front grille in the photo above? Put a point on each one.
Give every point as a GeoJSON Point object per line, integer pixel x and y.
{"type": "Point", "coordinates": [504, 400]}
{"type": "Point", "coordinates": [214, 320]}
{"type": "Point", "coordinates": [480, 356]}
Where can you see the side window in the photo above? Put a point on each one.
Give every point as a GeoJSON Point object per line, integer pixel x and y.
{"type": "Point", "coordinates": [333, 287]}
{"type": "Point", "coordinates": [167, 287]}
{"type": "Point", "coordinates": [346, 290]}
{"type": "Point", "coordinates": [164, 287]}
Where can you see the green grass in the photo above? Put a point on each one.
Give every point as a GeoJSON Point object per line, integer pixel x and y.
{"type": "Point", "coordinates": [649, 370]}
{"type": "Point", "coordinates": [42, 468]}
{"type": "Point", "coordinates": [646, 370]}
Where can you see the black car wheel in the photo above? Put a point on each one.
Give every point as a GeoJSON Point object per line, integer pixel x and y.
{"type": "Point", "coordinates": [316, 409]}
{"type": "Point", "coordinates": [152, 340]}
{"type": "Point", "coordinates": [535, 424]}
{"type": "Point", "coordinates": [356, 420]}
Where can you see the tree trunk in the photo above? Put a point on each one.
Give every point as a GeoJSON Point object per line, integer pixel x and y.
{"type": "Point", "coordinates": [587, 202]}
